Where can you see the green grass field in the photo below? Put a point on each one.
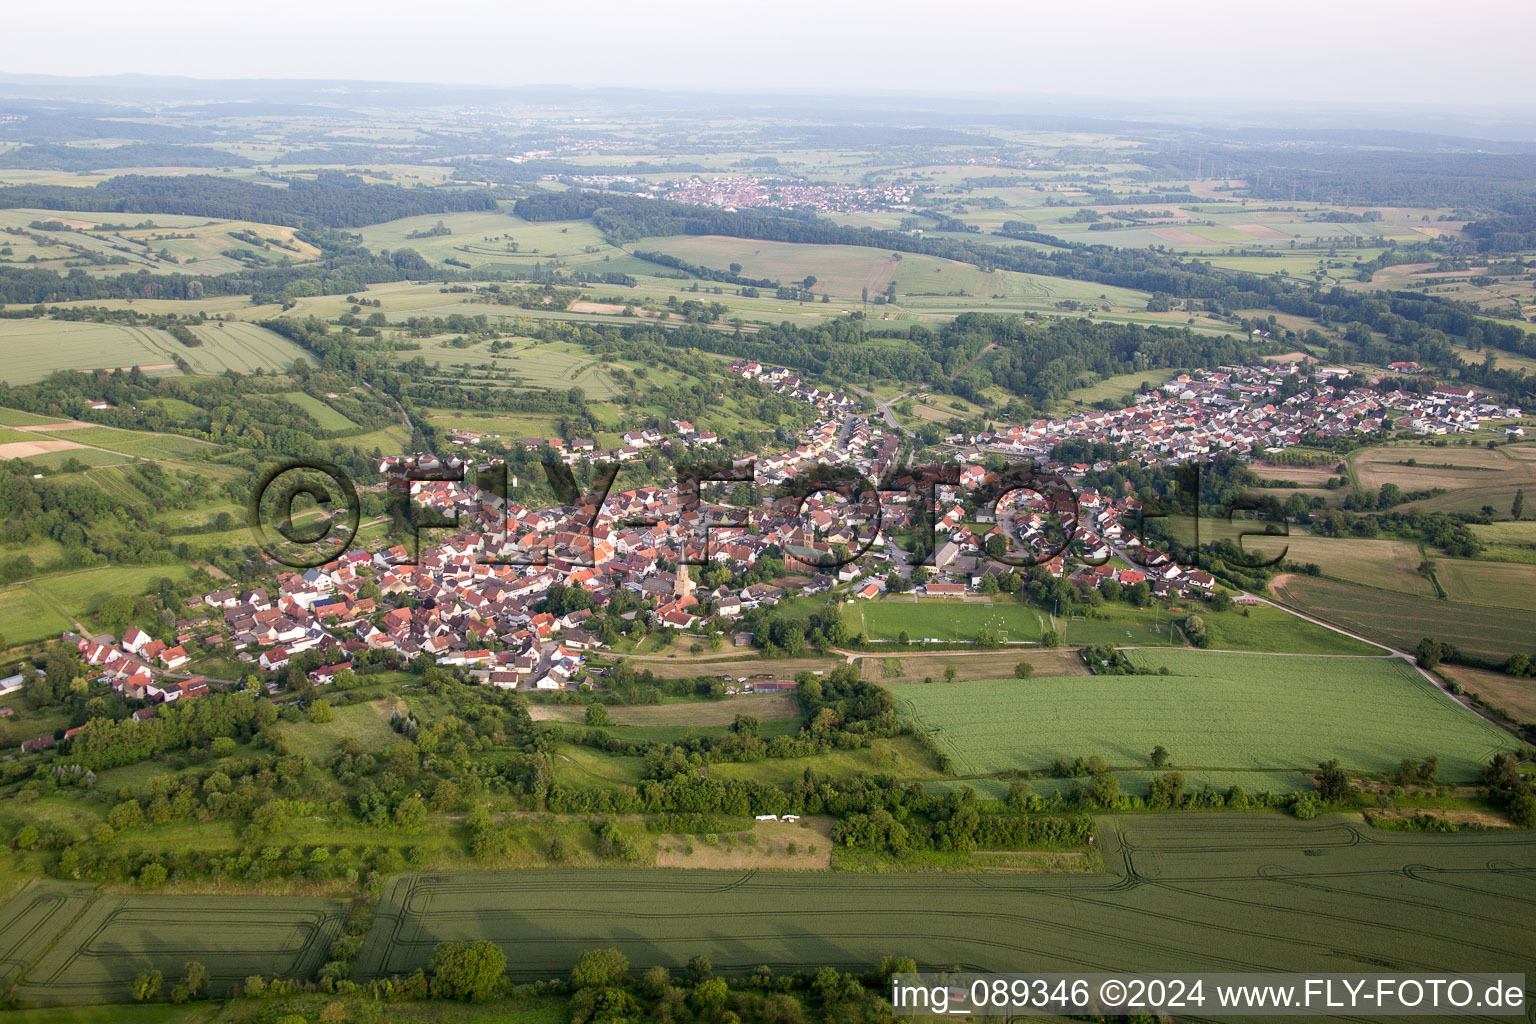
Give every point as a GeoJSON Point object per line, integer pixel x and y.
{"type": "Point", "coordinates": [26, 616]}
{"type": "Point", "coordinates": [1216, 711]}
{"type": "Point", "coordinates": [1263, 628]}
{"type": "Point", "coordinates": [79, 593]}
{"type": "Point", "coordinates": [553, 365]}
{"type": "Point", "coordinates": [18, 418]}
{"type": "Point", "coordinates": [324, 416]}
{"type": "Point", "coordinates": [366, 723]}
{"type": "Point", "coordinates": [942, 619]}
{"type": "Point", "coordinates": [1194, 890]}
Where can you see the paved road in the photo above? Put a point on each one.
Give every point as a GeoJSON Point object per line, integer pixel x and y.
{"type": "Point", "coordinates": [884, 407]}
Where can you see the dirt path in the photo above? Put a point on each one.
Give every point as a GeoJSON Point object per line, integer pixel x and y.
{"type": "Point", "coordinates": [993, 347]}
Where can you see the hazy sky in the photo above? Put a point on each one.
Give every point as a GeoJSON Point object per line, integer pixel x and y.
{"type": "Point", "coordinates": [1469, 51]}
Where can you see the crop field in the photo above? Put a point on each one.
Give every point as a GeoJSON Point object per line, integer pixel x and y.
{"type": "Point", "coordinates": [92, 954]}
{"type": "Point", "coordinates": [943, 619]}
{"type": "Point", "coordinates": [1216, 711]}
{"type": "Point", "coordinates": [1136, 782]}
{"type": "Point", "coordinates": [1233, 893]}
{"type": "Point", "coordinates": [1495, 584]}
{"type": "Point", "coordinates": [242, 347]}
{"type": "Point", "coordinates": [1514, 694]}
{"type": "Point", "coordinates": [138, 442]}
{"type": "Point", "coordinates": [36, 348]}
{"type": "Point", "coordinates": [1402, 620]}
{"type": "Point", "coordinates": [914, 668]}
{"type": "Point", "coordinates": [33, 917]}
{"type": "Point", "coordinates": [750, 664]}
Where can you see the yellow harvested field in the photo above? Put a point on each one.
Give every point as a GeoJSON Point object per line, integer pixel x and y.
{"type": "Point", "coordinates": [27, 449]}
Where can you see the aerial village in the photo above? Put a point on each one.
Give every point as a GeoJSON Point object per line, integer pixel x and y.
{"type": "Point", "coordinates": [476, 596]}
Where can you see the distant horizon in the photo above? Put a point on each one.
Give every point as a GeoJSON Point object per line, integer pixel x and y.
{"type": "Point", "coordinates": [1500, 125]}
{"type": "Point", "coordinates": [1417, 53]}
{"type": "Point", "coordinates": [997, 97]}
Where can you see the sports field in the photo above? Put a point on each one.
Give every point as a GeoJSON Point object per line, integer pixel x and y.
{"type": "Point", "coordinates": [1216, 711]}
{"type": "Point", "coordinates": [1193, 892]}
{"type": "Point", "coordinates": [943, 619]}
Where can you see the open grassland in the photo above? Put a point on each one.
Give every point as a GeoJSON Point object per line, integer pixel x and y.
{"type": "Point", "coordinates": [506, 427]}
{"type": "Point", "coordinates": [27, 617]}
{"type": "Point", "coordinates": [1228, 892]}
{"type": "Point", "coordinates": [1389, 564]}
{"type": "Point", "coordinates": [1266, 629]}
{"type": "Point", "coordinates": [18, 418]}
{"type": "Point", "coordinates": [942, 619]}
{"type": "Point", "coordinates": [905, 759]}
{"type": "Point", "coordinates": [79, 593]}
{"type": "Point", "coordinates": [555, 366]}
{"type": "Point", "coordinates": [1514, 694]}
{"type": "Point", "coordinates": [1402, 620]}
{"type": "Point", "coordinates": [484, 239]}
{"type": "Point", "coordinates": [1119, 388]}
{"type": "Point", "coordinates": [368, 724]}
{"type": "Point", "coordinates": [1216, 711]}
{"type": "Point", "coordinates": [324, 416]}
{"type": "Point", "coordinates": [1508, 542]}
{"type": "Point", "coordinates": [1472, 477]}
{"type": "Point", "coordinates": [79, 951]}
{"type": "Point", "coordinates": [840, 270]}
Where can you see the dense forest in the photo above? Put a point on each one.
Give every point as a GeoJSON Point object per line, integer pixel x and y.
{"type": "Point", "coordinates": [331, 200]}
{"type": "Point", "coordinates": [48, 157]}
{"type": "Point", "coordinates": [1383, 177]}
